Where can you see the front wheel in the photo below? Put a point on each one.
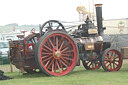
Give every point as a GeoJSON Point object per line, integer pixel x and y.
{"type": "Point", "coordinates": [111, 60]}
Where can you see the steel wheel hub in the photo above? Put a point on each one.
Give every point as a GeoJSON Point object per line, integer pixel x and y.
{"type": "Point", "coordinates": [57, 54]}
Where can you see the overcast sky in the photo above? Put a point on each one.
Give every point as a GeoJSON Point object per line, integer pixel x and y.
{"type": "Point", "coordinates": [38, 11]}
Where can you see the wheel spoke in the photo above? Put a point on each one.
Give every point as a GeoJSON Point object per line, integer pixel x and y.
{"type": "Point", "coordinates": [51, 63]}
{"type": "Point", "coordinates": [48, 44]}
{"type": "Point", "coordinates": [61, 45]}
{"type": "Point", "coordinates": [58, 27]}
{"type": "Point", "coordinates": [52, 67]}
{"type": "Point", "coordinates": [107, 56]}
{"type": "Point", "coordinates": [45, 50]}
{"type": "Point", "coordinates": [69, 51]}
{"type": "Point", "coordinates": [114, 55]}
{"type": "Point", "coordinates": [47, 63]}
{"type": "Point", "coordinates": [44, 57]}
{"type": "Point", "coordinates": [67, 58]}
{"type": "Point", "coordinates": [47, 47]}
{"type": "Point", "coordinates": [66, 45]}
{"type": "Point", "coordinates": [90, 64]}
{"type": "Point", "coordinates": [55, 65]}
{"type": "Point", "coordinates": [58, 66]}
{"type": "Point", "coordinates": [50, 24]}
{"type": "Point", "coordinates": [65, 49]}
{"type": "Point", "coordinates": [115, 64]}
{"type": "Point", "coordinates": [87, 62]}
{"type": "Point", "coordinates": [108, 64]}
{"type": "Point", "coordinates": [63, 63]}
{"type": "Point", "coordinates": [111, 54]}
{"type": "Point", "coordinates": [60, 42]}
{"type": "Point", "coordinates": [51, 42]}
{"type": "Point", "coordinates": [66, 54]}
{"type": "Point", "coordinates": [57, 42]}
{"type": "Point", "coordinates": [46, 53]}
{"type": "Point", "coordinates": [47, 59]}
{"type": "Point", "coordinates": [95, 64]}
{"type": "Point", "coordinates": [116, 60]}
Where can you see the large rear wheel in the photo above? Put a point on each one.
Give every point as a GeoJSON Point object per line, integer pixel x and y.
{"type": "Point", "coordinates": [56, 53]}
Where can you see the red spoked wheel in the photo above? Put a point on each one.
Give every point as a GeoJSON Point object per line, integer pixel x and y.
{"type": "Point", "coordinates": [111, 60]}
{"type": "Point", "coordinates": [92, 63]}
{"type": "Point", "coordinates": [56, 53]}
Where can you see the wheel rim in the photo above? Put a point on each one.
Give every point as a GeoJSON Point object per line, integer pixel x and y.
{"type": "Point", "coordinates": [92, 63]}
{"type": "Point", "coordinates": [58, 54]}
{"type": "Point", "coordinates": [112, 60]}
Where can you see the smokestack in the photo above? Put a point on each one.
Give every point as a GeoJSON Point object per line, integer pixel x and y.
{"type": "Point", "coordinates": [99, 18]}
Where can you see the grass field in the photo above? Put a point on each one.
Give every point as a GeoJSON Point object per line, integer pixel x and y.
{"type": "Point", "coordinates": [79, 76]}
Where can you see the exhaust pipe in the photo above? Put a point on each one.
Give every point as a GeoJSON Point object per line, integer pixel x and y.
{"type": "Point", "coordinates": [99, 18]}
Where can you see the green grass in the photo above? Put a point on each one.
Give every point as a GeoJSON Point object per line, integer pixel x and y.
{"type": "Point", "coordinates": [79, 76]}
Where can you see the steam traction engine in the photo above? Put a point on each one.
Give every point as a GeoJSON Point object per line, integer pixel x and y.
{"type": "Point", "coordinates": [56, 52]}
